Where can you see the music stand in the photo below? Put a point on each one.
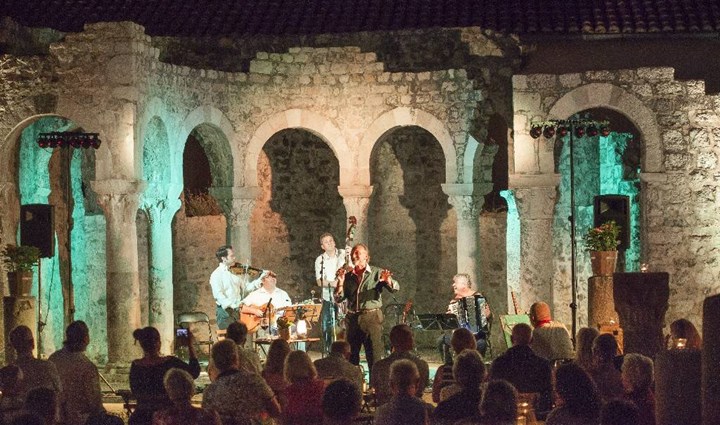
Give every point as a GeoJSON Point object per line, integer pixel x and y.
{"type": "Point", "coordinates": [438, 322]}
{"type": "Point", "coordinates": [310, 312]}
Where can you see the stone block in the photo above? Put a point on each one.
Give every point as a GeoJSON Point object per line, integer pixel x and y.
{"type": "Point", "coordinates": [704, 118]}
{"type": "Point", "coordinates": [599, 75]}
{"type": "Point", "coordinates": [674, 140]}
{"type": "Point", "coordinates": [542, 81]}
{"type": "Point", "coordinates": [261, 67]}
{"type": "Point", "coordinates": [570, 80]}
{"type": "Point", "coordinates": [706, 160]}
{"type": "Point", "coordinates": [670, 88]}
{"type": "Point", "coordinates": [656, 74]}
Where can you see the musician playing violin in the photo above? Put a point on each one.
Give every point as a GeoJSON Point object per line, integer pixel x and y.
{"type": "Point", "coordinates": [229, 289]}
{"type": "Point", "coordinates": [465, 302]}
{"type": "Point", "coordinates": [362, 287]}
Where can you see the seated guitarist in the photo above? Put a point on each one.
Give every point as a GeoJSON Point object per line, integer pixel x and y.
{"type": "Point", "coordinates": [228, 289]}
{"type": "Point", "coordinates": [257, 301]}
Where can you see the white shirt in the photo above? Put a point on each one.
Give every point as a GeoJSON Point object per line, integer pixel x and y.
{"type": "Point", "coordinates": [326, 267]}
{"type": "Point", "coordinates": [229, 289]}
{"type": "Point", "coordinates": [261, 296]}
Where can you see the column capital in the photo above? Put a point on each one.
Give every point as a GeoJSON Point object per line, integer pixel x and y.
{"type": "Point", "coordinates": [457, 189]}
{"type": "Point", "coordinates": [467, 207]}
{"type": "Point", "coordinates": [536, 202]}
{"type": "Point", "coordinates": [118, 187]}
{"type": "Point", "coordinates": [356, 191]}
{"type": "Point", "coordinates": [160, 209]}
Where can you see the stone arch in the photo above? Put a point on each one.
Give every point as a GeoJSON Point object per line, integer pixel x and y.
{"type": "Point", "coordinates": [297, 118]}
{"type": "Point", "coordinates": [218, 132]}
{"type": "Point", "coordinates": [411, 116]}
{"type": "Point", "coordinates": [604, 95]}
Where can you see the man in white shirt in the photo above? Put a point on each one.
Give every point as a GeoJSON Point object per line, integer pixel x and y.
{"type": "Point", "coordinates": [228, 288]}
{"type": "Point", "coordinates": [326, 267]}
{"type": "Point", "coordinates": [269, 292]}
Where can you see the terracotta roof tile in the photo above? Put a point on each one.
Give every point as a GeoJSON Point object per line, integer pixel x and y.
{"type": "Point", "coordinates": [284, 17]}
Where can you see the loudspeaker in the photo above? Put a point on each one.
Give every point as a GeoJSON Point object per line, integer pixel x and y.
{"type": "Point", "coordinates": [617, 208]}
{"type": "Point", "coordinates": [37, 228]}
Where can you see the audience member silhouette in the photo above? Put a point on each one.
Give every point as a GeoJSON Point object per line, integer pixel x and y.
{"type": "Point", "coordinates": [402, 344]}
{"type": "Point", "coordinates": [469, 372]}
{"type": "Point", "coordinates": [583, 349]}
{"type": "Point", "coordinates": [13, 396]}
{"type": "Point", "coordinates": [238, 396]}
{"type": "Point", "coordinates": [337, 365]}
{"type": "Point", "coordinates": [180, 387]}
{"type": "Point", "coordinates": [148, 372]}
{"type": "Point", "coordinates": [274, 371]}
{"type": "Point", "coordinates": [249, 359]}
{"type": "Point", "coordinates": [80, 398]}
{"type": "Point", "coordinates": [42, 402]}
{"type": "Point", "coordinates": [462, 339]}
{"type": "Point", "coordinates": [578, 400]}
{"type": "Point", "coordinates": [36, 373]}
{"type": "Point", "coordinates": [550, 339]}
{"type": "Point", "coordinates": [683, 328]}
{"type": "Point", "coordinates": [404, 408]}
{"type": "Point", "coordinates": [304, 395]}
{"type": "Point", "coordinates": [619, 412]}
{"type": "Point", "coordinates": [606, 376]}
{"type": "Point", "coordinates": [637, 378]}
{"type": "Point", "coordinates": [341, 402]}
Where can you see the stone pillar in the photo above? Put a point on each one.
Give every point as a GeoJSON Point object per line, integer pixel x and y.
{"type": "Point", "coordinates": [711, 361]}
{"type": "Point", "coordinates": [119, 200]}
{"type": "Point", "coordinates": [160, 272]}
{"type": "Point", "coordinates": [641, 300]}
{"type": "Point", "coordinates": [18, 311]}
{"type": "Point", "coordinates": [357, 201]}
{"type": "Point", "coordinates": [535, 197]}
{"type": "Point", "coordinates": [467, 208]}
{"type": "Point", "coordinates": [677, 387]}
{"type": "Point", "coordinates": [601, 306]}
{"type": "Point", "coordinates": [237, 204]}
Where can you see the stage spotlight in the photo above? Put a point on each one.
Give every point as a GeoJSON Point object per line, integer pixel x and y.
{"type": "Point", "coordinates": [592, 131]}
{"type": "Point", "coordinates": [562, 131]}
{"type": "Point", "coordinates": [579, 131]}
{"type": "Point", "coordinates": [95, 142]}
{"type": "Point", "coordinates": [536, 132]}
{"type": "Point", "coordinates": [605, 131]}
{"type": "Point", "coordinates": [549, 132]}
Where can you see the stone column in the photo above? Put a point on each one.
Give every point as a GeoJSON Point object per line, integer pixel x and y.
{"type": "Point", "coordinates": [119, 200]}
{"type": "Point", "coordinates": [467, 208]}
{"type": "Point", "coordinates": [357, 201]}
{"type": "Point", "coordinates": [160, 272]}
{"type": "Point", "coordinates": [237, 204]}
{"type": "Point", "coordinates": [535, 197]}
{"type": "Point", "coordinates": [711, 361]}
{"type": "Point", "coordinates": [601, 307]}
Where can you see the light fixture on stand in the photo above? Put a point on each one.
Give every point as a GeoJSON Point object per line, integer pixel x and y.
{"type": "Point", "coordinates": [66, 141]}
{"type": "Point", "coordinates": [574, 128]}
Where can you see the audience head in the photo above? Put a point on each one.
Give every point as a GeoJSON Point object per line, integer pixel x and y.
{"type": "Point", "coordinates": [10, 380]}
{"type": "Point", "coordinates": [401, 338]}
{"type": "Point", "coordinates": [404, 377]}
{"type": "Point", "coordinates": [278, 351]}
{"type": "Point", "coordinates": [341, 401]}
{"type": "Point", "coordinates": [42, 402]}
{"type": "Point", "coordinates": [237, 332]}
{"type": "Point", "coordinates": [77, 336]}
{"type": "Point", "coordinates": [179, 386]}
{"type": "Point", "coordinates": [583, 351]}
{"type": "Point", "coordinates": [298, 367]}
{"type": "Point", "coordinates": [604, 349]}
{"type": "Point", "coordinates": [149, 339]}
{"type": "Point", "coordinates": [462, 339]}
{"type": "Point", "coordinates": [341, 347]}
{"type": "Point", "coordinates": [225, 356]}
{"type": "Point", "coordinates": [521, 334]}
{"type": "Point", "coordinates": [578, 391]}
{"type": "Point", "coordinates": [499, 402]}
{"type": "Point", "coordinates": [540, 314]}
{"type": "Point", "coordinates": [683, 328]}
{"type": "Point", "coordinates": [619, 412]}
{"type": "Point", "coordinates": [637, 372]}
{"type": "Point", "coordinates": [21, 339]}
{"type": "Point", "coordinates": [469, 370]}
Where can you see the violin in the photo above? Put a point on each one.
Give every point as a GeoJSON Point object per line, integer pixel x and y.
{"type": "Point", "coordinates": [245, 269]}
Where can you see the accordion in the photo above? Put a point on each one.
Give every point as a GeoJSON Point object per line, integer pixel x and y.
{"type": "Point", "coordinates": [470, 312]}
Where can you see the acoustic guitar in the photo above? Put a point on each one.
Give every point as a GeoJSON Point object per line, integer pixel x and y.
{"type": "Point", "coordinates": [253, 322]}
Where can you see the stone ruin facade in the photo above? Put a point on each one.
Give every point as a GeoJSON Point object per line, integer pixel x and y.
{"type": "Point", "coordinates": [301, 135]}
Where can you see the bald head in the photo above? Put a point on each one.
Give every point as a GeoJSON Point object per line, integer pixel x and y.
{"type": "Point", "coordinates": [521, 334]}
{"type": "Point", "coordinates": [540, 313]}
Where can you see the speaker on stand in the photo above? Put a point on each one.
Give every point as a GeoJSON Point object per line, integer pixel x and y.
{"type": "Point", "coordinates": [614, 208]}
{"type": "Point", "coordinates": [37, 228]}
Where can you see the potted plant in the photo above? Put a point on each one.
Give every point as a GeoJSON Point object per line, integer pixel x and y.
{"type": "Point", "coordinates": [283, 324]}
{"type": "Point", "coordinates": [19, 261]}
{"type": "Point", "coordinates": [602, 242]}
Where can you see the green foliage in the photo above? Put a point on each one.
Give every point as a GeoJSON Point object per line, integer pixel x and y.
{"type": "Point", "coordinates": [20, 258]}
{"type": "Point", "coordinates": [603, 238]}
{"type": "Point", "coordinates": [283, 322]}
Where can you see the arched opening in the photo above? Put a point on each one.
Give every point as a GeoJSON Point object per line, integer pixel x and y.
{"type": "Point", "coordinates": [411, 230]}
{"type": "Point", "coordinates": [602, 166]}
{"type": "Point", "coordinates": [298, 175]}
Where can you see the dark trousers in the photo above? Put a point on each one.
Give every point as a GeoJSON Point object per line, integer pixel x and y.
{"type": "Point", "coordinates": [327, 320]}
{"type": "Point", "coordinates": [365, 330]}
{"type": "Point", "coordinates": [225, 317]}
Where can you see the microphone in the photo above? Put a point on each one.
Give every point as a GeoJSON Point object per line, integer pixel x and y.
{"type": "Point", "coordinates": [267, 307]}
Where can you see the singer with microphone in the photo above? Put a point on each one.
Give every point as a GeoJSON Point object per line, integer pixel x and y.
{"type": "Point", "coordinates": [326, 266]}
{"type": "Point", "coordinates": [362, 287]}
{"type": "Point", "coordinates": [228, 288]}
